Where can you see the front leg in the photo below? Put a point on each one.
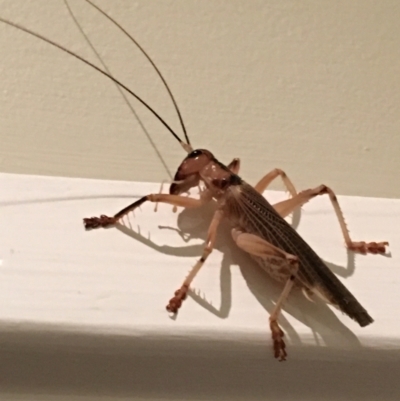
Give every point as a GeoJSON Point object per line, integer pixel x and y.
{"type": "Point", "coordinates": [176, 200]}
{"type": "Point", "coordinates": [180, 295]}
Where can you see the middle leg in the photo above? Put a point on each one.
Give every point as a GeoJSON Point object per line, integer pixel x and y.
{"type": "Point", "coordinates": [262, 185]}
{"type": "Point", "coordinates": [180, 295]}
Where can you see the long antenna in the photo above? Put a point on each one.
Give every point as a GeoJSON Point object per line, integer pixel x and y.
{"type": "Point", "coordinates": [122, 29]}
{"type": "Point", "coordinates": [187, 147]}
{"type": "Point", "coordinates": [120, 90]}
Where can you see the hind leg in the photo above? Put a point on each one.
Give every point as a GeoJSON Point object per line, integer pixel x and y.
{"type": "Point", "coordinates": [282, 264]}
{"type": "Point", "coordinates": [286, 207]}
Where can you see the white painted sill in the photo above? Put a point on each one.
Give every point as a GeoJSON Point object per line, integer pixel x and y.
{"type": "Point", "coordinates": [83, 313]}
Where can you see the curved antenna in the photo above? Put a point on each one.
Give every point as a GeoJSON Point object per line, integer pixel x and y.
{"type": "Point", "coordinates": [109, 76]}
{"type": "Point", "coordinates": [120, 90]}
{"type": "Point", "coordinates": [151, 62]}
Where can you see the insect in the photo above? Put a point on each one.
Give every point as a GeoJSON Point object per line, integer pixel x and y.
{"type": "Point", "coordinates": [258, 227]}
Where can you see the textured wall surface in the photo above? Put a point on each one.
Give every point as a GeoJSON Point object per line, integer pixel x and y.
{"type": "Point", "coordinates": [310, 87]}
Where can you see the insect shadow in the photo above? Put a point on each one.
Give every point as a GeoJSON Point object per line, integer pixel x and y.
{"type": "Point", "coordinates": [325, 327]}
{"type": "Point", "coordinates": [193, 224]}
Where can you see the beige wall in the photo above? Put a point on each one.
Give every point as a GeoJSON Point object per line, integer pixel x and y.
{"type": "Point", "coordinates": [311, 87]}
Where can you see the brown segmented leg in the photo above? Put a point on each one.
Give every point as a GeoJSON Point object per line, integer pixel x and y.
{"type": "Point", "coordinates": [277, 333]}
{"type": "Point", "coordinates": [180, 295]}
{"type": "Point", "coordinates": [262, 185]}
{"type": "Point", "coordinates": [281, 264]}
{"type": "Point", "coordinates": [234, 166]}
{"type": "Point", "coordinates": [286, 207]}
{"type": "Point", "coordinates": [176, 200]}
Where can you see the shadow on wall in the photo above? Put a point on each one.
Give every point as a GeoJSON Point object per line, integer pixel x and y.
{"type": "Point", "coordinates": [325, 326]}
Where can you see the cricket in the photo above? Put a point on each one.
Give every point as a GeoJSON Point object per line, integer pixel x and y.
{"type": "Point", "coordinates": [257, 227]}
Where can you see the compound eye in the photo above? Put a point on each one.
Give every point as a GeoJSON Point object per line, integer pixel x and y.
{"type": "Point", "coordinates": [195, 153]}
{"type": "Point", "coordinates": [221, 183]}
{"type": "Point", "coordinates": [224, 183]}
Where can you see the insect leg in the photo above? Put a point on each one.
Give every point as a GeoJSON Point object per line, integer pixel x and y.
{"type": "Point", "coordinates": [282, 264]}
{"type": "Point", "coordinates": [234, 165]}
{"type": "Point", "coordinates": [176, 200]}
{"type": "Point", "coordinates": [277, 333]}
{"type": "Point", "coordinates": [286, 207]}
{"type": "Point", "coordinates": [262, 185]}
{"type": "Point", "coordinates": [180, 295]}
